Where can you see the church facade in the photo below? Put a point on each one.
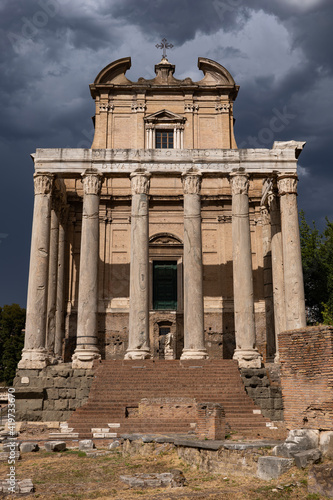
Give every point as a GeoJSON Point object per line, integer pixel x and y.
{"type": "Point", "coordinates": [163, 239]}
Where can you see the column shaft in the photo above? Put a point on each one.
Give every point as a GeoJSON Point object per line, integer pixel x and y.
{"type": "Point", "coordinates": [87, 328]}
{"type": "Point", "coordinates": [52, 283]}
{"type": "Point", "coordinates": [245, 352]}
{"type": "Point", "coordinates": [277, 270]}
{"type": "Point", "coordinates": [194, 342]}
{"type": "Point", "coordinates": [34, 354]}
{"type": "Point", "coordinates": [268, 284]}
{"type": "Point", "coordinates": [292, 259]}
{"type": "Point", "coordinates": [138, 341]}
{"type": "Point", "coordinates": [60, 309]}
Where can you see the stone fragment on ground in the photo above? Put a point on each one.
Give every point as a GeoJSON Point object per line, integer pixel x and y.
{"type": "Point", "coordinates": [96, 453]}
{"type": "Point", "coordinates": [173, 479]}
{"type": "Point", "coordinates": [307, 457]}
{"type": "Point", "coordinates": [86, 444]}
{"type": "Point", "coordinates": [28, 447]}
{"type": "Point", "coordinates": [320, 480]}
{"type": "Point", "coordinates": [22, 487]}
{"type": "Point", "coordinates": [55, 446]}
{"type": "Point", "coordinates": [326, 443]}
{"type": "Point", "coordinates": [114, 445]}
{"type": "Point", "coordinates": [272, 467]}
{"type": "Point", "coordinates": [298, 440]}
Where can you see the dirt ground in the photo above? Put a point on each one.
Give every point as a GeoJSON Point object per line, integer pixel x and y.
{"type": "Point", "coordinates": [72, 475]}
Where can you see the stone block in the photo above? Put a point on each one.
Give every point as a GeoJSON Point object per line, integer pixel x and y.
{"type": "Point", "coordinates": [52, 393]}
{"type": "Point", "coordinates": [73, 404]}
{"type": "Point", "coordinates": [82, 393]}
{"type": "Point", "coordinates": [29, 447]}
{"type": "Point", "coordinates": [272, 467]}
{"type": "Point", "coordinates": [298, 440]}
{"type": "Point", "coordinates": [307, 457]}
{"type": "Point", "coordinates": [30, 404]}
{"type": "Point", "coordinates": [61, 404]}
{"type": "Point", "coordinates": [55, 445]}
{"type": "Point", "coordinates": [320, 480]}
{"type": "Point", "coordinates": [114, 445]}
{"type": "Point", "coordinates": [52, 415]}
{"type": "Point", "coordinates": [326, 443]}
{"type": "Point", "coordinates": [48, 404]}
{"type": "Point", "coordinates": [174, 478]}
{"type": "Point", "coordinates": [60, 382]}
{"type": "Point", "coordinates": [67, 393]}
{"type": "Point", "coordinates": [86, 444]}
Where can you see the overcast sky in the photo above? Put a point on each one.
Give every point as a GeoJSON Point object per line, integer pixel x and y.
{"type": "Point", "coordinates": [279, 52]}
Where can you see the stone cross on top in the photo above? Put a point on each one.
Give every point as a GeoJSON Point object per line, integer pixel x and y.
{"type": "Point", "coordinates": [164, 45]}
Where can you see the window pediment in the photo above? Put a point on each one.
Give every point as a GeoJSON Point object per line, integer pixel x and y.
{"type": "Point", "coordinates": [165, 116]}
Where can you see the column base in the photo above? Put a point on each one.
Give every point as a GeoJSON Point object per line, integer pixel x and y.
{"type": "Point", "coordinates": [248, 358]}
{"type": "Point", "coordinates": [34, 359]}
{"type": "Point", "coordinates": [138, 354]}
{"type": "Point", "coordinates": [194, 354]}
{"type": "Point", "coordinates": [84, 358]}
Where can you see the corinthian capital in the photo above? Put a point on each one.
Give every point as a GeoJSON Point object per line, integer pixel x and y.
{"type": "Point", "coordinates": [239, 183]}
{"type": "Point", "coordinates": [43, 183]}
{"type": "Point", "coordinates": [287, 184]}
{"type": "Point", "coordinates": [92, 182]}
{"type": "Point", "coordinates": [140, 182]}
{"type": "Point", "coordinates": [191, 182]}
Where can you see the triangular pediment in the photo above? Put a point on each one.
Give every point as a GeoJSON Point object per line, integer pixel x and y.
{"type": "Point", "coordinates": [165, 116]}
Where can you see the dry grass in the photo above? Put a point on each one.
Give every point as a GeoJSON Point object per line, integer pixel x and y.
{"type": "Point", "coordinates": [69, 475]}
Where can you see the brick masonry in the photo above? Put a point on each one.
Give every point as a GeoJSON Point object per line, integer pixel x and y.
{"type": "Point", "coordinates": [307, 377]}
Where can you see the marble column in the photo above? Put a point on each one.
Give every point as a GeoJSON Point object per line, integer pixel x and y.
{"type": "Point", "coordinates": [87, 326]}
{"type": "Point", "coordinates": [34, 354]}
{"type": "Point", "coordinates": [194, 342]}
{"type": "Point", "coordinates": [60, 309]}
{"type": "Point", "coordinates": [52, 282]}
{"type": "Point", "coordinates": [277, 269]}
{"type": "Point", "coordinates": [268, 283]}
{"type": "Point", "coordinates": [246, 352]}
{"type": "Point", "coordinates": [292, 260]}
{"type": "Point", "coordinates": [138, 341]}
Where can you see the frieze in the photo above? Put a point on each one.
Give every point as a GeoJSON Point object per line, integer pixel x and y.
{"type": "Point", "coordinates": [191, 108]}
{"type": "Point", "coordinates": [222, 108]}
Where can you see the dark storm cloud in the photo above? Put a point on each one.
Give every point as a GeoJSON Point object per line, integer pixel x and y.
{"type": "Point", "coordinates": [52, 50]}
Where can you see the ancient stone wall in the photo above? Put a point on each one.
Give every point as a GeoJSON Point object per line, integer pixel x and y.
{"type": "Point", "coordinates": [265, 392]}
{"type": "Point", "coordinates": [306, 356]}
{"type": "Point", "coordinates": [51, 394]}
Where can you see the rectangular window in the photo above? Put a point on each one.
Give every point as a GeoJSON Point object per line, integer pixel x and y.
{"type": "Point", "coordinates": [165, 285]}
{"type": "Point", "coordinates": [164, 139]}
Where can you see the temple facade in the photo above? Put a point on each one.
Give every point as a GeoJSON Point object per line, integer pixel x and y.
{"type": "Point", "coordinates": [163, 239]}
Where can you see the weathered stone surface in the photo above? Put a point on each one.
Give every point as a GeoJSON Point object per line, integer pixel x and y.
{"type": "Point", "coordinates": [320, 480]}
{"type": "Point", "coordinates": [174, 478]}
{"type": "Point", "coordinates": [307, 457]}
{"type": "Point", "coordinates": [114, 445]}
{"type": "Point", "coordinates": [298, 440]}
{"type": "Point", "coordinates": [55, 446]}
{"type": "Point", "coordinates": [28, 447]}
{"type": "Point", "coordinates": [22, 487]}
{"type": "Point", "coordinates": [326, 443]}
{"type": "Point", "coordinates": [86, 444]}
{"type": "Point", "coordinates": [272, 467]}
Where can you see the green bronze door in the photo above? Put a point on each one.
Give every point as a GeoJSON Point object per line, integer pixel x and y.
{"type": "Point", "coordinates": [165, 285]}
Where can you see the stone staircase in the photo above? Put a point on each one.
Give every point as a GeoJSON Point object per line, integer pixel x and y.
{"type": "Point", "coordinates": [119, 386]}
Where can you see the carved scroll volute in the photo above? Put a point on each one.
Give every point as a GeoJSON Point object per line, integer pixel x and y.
{"type": "Point", "coordinates": [191, 182]}
{"type": "Point", "coordinates": [140, 182]}
{"type": "Point", "coordinates": [43, 183]}
{"type": "Point", "coordinates": [287, 184]}
{"type": "Point", "coordinates": [239, 183]}
{"type": "Point", "coordinates": [92, 183]}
